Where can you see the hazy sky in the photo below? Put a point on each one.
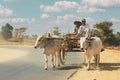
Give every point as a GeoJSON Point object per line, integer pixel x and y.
{"type": "Point", "coordinates": [40, 16]}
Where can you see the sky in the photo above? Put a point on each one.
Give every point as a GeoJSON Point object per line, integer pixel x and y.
{"type": "Point", "coordinates": [40, 16]}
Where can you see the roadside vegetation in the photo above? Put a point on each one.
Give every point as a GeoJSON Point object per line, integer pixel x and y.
{"type": "Point", "coordinates": [105, 32]}
{"type": "Point", "coordinates": [102, 29]}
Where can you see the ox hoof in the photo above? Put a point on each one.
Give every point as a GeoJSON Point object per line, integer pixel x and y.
{"type": "Point", "coordinates": [88, 69]}
{"type": "Point", "coordinates": [82, 50]}
{"type": "Point", "coordinates": [58, 65]}
{"type": "Point", "coordinates": [53, 66]}
{"type": "Point", "coordinates": [45, 68]}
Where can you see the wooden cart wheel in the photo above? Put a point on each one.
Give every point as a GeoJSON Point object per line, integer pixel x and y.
{"type": "Point", "coordinates": [63, 56]}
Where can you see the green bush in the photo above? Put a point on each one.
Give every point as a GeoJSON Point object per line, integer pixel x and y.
{"type": "Point", "coordinates": [7, 31]}
{"type": "Point", "coordinates": [112, 41]}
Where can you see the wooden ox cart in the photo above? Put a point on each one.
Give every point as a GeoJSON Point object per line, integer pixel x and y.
{"type": "Point", "coordinates": [72, 43]}
{"type": "Point", "coordinates": [69, 41]}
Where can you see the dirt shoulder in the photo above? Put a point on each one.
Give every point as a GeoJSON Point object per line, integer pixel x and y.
{"type": "Point", "coordinates": [109, 68]}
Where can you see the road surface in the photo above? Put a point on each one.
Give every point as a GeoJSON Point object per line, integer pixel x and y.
{"type": "Point", "coordinates": [31, 65]}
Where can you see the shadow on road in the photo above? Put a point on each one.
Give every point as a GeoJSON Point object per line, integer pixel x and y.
{"type": "Point", "coordinates": [109, 66]}
{"type": "Point", "coordinates": [69, 67]}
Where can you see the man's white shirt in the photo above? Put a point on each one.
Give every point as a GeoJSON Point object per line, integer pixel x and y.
{"type": "Point", "coordinates": [84, 28]}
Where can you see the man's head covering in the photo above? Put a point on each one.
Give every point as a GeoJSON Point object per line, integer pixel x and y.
{"type": "Point", "coordinates": [84, 20]}
{"type": "Point", "coordinates": [77, 23]}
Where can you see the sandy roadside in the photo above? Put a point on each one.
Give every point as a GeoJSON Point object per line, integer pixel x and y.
{"type": "Point", "coordinates": [109, 68]}
{"type": "Point", "coordinates": [10, 54]}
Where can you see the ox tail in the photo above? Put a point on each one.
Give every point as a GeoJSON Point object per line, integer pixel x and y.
{"type": "Point", "coordinates": [62, 56]}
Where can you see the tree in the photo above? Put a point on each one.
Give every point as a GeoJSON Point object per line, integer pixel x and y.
{"type": "Point", "coordinates": [118, 34]}
{"type": "Point", "coordinates": [7, 31]}
{"type": "Point", "coordinates": [109, 37]}
{"type": "Point", "coordinates": [34, 36]}
{"type": "Point", "coordinates": [18, 32]}
{"type": "Point", "coordinates": [97, 32]}
{"type": "Point", "coordinates": [105, 27]}
{"type": "Point", "coordinates": [56, 31]}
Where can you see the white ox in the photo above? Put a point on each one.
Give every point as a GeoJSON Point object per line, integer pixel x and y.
{"type": "Point", "coordinates": [51, 47]}
{"type": "Point", "coordinates": [93, 47]}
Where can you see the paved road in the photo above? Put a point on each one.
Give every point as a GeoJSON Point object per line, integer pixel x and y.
{"type": "Point", "coordinates": [31, 66]}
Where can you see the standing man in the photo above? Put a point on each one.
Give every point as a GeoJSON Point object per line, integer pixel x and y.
{"type": "Point", "coordinates": [84, 32]}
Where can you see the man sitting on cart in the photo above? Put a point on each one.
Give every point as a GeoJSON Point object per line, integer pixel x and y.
{"type": "Point", "coordinates": [77, 26]}
{"type": "Point", "coordinates": [83, 32]}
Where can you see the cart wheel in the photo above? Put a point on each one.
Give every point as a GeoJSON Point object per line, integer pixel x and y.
{"type": "Point", "coordinates": [63, 56]}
